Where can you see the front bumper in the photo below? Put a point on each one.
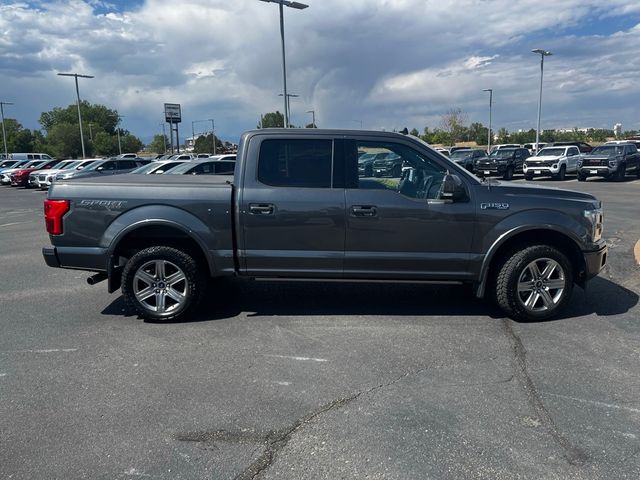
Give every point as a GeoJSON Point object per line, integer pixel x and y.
{"type": "Point", "coordinates": [596, 171]}
{"type": "Point", "coordinates": [493, 169]}
{"type": "Point", "coordinates": [533, 170]}
{"type": "Point", "coordinates": [594, 262]}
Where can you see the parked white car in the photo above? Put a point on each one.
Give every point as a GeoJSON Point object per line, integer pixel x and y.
{"type": "Point", "coordinates": [34, 180]}
{"type": "Point", "coordinates": [553, 162]}
{"type": "Point", "coordinates": [46, 177]}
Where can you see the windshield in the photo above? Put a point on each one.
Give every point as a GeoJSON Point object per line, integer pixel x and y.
{"type": "Point", "coordinates": [502, 153]}
{"type": "Point", "coordinates": [34, 164]}
{"type": "Point", "coordinates": [552, 152]}
{"type": "Point", "coordinates": [366, 156]}
{"type": "Point", "coordinates": [93, 166]}
{"type": "Point", "coordinates": [146, 168]}
{"type": "Point", "coordinates": [182, 168]}
{"type": "Point", "coordinates": [607, 150]}
{"type": "Point", "coordinates": [69, 165]}
{"type": "Point", "coordinates": [8, 164]}
{"type": "Point", "coordinates": [460, 154]}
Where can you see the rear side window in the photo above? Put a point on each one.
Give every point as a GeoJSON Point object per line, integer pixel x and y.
{"type": "Point", "coordinates": [296, 163]}
{"type": "Point", "coordinates": [126, 164]}
{"type": "Point", "coordinates": [225, 167]}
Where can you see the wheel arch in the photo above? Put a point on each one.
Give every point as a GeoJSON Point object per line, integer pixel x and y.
{"type": "Point", "coordinates": [533, 236]}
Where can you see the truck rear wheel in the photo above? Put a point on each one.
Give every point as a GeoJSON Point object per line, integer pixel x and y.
{"type": "Point", "coordinates": [534, 283]}
{"type": "Point", "coordinates": [162, 283]}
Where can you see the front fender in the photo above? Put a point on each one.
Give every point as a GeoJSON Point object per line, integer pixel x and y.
{"type": "Point", "coordinates": [528, 221]}
{"type": "Point", "coordinates": [162, 215]}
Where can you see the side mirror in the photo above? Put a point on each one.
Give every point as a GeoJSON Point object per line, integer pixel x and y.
{"type": "Point", "coordinates": [453, 188]}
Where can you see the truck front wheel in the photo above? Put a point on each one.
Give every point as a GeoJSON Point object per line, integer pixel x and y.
{"type": "Point", "coordinates": [534, 283]}
{"type": "Point", "coordinates": [162, 283]}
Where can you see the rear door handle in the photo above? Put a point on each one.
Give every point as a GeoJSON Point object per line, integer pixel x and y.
{"type": "Point", "coordinates": [261, 208]}
{"type": "Point", "coordinates": [364, 211]}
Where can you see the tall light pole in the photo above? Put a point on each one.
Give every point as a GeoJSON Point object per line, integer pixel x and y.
{"type": "Point", "coordinates": [490, 90]}
{"type": "Point", "coordinates": [118, 125]}
{"type": "Point", "coordinates": [4, 133]}
{"type": "Point", "coordinates": [297, 6]}
{"type": "Point", "coordinates": [289, 95]}
{"type": "Point", "coordinates": [542, 53]}
{"type": "Point", "coordinates": [76, 75]}
{"type": "Point", "coordinates": [213, 134]}
{"type": "Point", "coordinates": [313, 116]}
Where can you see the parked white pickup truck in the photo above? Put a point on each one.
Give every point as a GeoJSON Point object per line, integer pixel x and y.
{"type": "Point", "coordinates": [553, 162]}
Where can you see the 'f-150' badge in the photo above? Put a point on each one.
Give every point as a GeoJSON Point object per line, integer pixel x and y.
{"type": "Point", "coordinates": [494, 206]}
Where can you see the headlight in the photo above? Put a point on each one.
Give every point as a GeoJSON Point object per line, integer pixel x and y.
{"type": "Point", "coordinates": [579, 163]}
{"type": "Point", "coordinates": [613, 163]}
{"type": "Point", "coordinates": [595, 217]}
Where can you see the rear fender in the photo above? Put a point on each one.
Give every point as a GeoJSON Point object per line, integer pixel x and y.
{"type": "Point", "coordinates": [161, 215]}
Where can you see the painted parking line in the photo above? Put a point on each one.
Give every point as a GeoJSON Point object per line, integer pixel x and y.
{"type": "Point", "coordinates": [300, 359]}
{"type": "Point", "coordinates": [636, 252]}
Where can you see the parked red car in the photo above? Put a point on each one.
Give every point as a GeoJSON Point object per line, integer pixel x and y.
{"type": "Point", "coordinates": [20, 178]}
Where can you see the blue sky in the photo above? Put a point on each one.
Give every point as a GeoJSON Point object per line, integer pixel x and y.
{"type": "Point", "coordinates": [389, 64]}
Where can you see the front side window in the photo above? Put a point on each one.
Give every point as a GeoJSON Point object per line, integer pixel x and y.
{"type": "Point", "coordinates": [296, 163]}
{"type": "Point", "coordinates": [401, 169]}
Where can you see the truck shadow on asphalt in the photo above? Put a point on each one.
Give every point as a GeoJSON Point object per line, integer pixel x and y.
{"type": "Point", "coordinates": [229, 298]}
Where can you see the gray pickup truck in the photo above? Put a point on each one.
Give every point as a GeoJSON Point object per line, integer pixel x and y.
{"type": "Point", "coordinates": [297, 208]}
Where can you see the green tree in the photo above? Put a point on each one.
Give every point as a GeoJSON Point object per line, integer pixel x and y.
{"type": "Point", "coordinates": [130, 143]}
{"type": "Point", "coordinates": [272, 120]}
{"type": "Point", "coordinates": [104, 145]}
{"type": "Point", "coordinates": [63, 141]}
{"type": "Point", "coordinates": [310, 125]}
{"type": "Point", "coordinates": [159, 144]}
{"type": "Point", "coordinates": [453, 123]}
{"type": "Point", "coordinates": [414, 132]}
{"type": "Point", "coordinates": [19, 139]}
{"type": "Point", "coordinates": [99, 115]}
{"type": "Point", "coordinates": [204, 144]}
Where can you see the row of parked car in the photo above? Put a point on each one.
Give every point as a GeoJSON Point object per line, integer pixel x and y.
{"type": "Point", "coordinates": [41, 173]}
{"type": "Point", "coordinates": [612, 160]}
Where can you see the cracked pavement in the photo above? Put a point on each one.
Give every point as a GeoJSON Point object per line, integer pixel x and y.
{"type": "Point", "coordinates": [311, 380]}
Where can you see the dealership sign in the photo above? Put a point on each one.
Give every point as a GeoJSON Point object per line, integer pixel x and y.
{"type": "Point", "coordinates": [172, 113]}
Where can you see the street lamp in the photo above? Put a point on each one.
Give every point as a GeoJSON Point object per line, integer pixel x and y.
{"type": "Point", "coordinates": [297, 6]}
{"type": "Point", "coordinates": [490, 90]}
{"type": "Point", "coordinates": [76, 75]}
{"type": "Point", "coordinates": [289, 95]}
{"type": "Point", "coordinates": [118, 125]}
{"type": "Point", "coordinates": [542, 53]}
{"type": "Point", "coordinates": [313, 116]}
{"type": "Point", "coordinates": [4, 133]}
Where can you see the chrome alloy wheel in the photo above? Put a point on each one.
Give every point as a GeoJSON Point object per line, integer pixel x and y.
{"type": "Point", "coordinates": [541, 285]}
{"type": "Point", "coordinates": [160, 286]}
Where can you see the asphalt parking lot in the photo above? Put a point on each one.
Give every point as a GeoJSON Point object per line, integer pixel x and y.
{"type": "Point", "coordinates": [312, 380]}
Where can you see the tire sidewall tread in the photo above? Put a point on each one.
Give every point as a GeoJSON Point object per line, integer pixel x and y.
{"type": "Point", "coordinates": [510, 271]}
{"type": "Point", "coordinates": [183, 260]}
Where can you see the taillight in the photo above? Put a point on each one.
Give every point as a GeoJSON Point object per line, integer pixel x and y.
{"type": "Point", "coordinates": [54, 210]}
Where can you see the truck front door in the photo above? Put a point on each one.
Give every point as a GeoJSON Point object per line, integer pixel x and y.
{"type": "Point", "coordinates": [292, 208]}
{"type": "Point", "coordinates": [399, 227]}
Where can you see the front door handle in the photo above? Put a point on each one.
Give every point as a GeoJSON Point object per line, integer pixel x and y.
{"type": "Point", "coordinates": [261, 208]}
{"type": "Point", "coordinates": [364, 211]}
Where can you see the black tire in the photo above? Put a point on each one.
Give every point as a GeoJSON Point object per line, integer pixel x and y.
{"type": "Point", "coordinates": [508, 174]}
{"type": "Point", "coordinates": [620, 173]}
{"type": "Point", "coordinates": [562, 174]}
{"type": "Point", "coordinates": [190, 287]}
{"type": "Point", "coordinates": [397, 171]}
{"type": "Point", "coordinates": [581, 177]}
{"type": "Point", "coordinates": [528, 177]}
{"type": "Point", "coordinates": [517, 269]}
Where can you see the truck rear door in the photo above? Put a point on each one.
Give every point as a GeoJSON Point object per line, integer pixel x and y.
{"type": "Point", "coordinates": [292, 207]}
